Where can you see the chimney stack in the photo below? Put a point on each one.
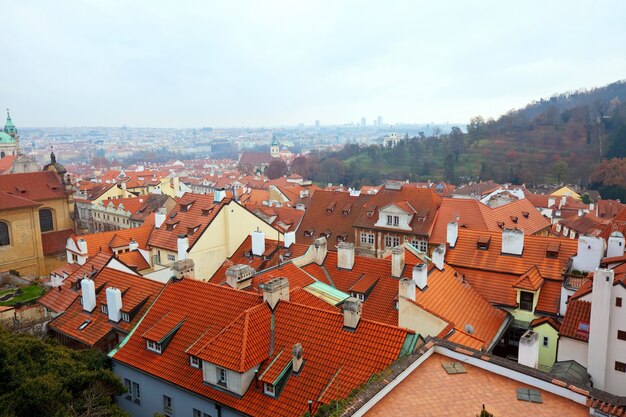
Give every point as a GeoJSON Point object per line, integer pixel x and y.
{"type": "Point", "coordinates": [551, 201]}
{"type": "Point", "coordinates": [453, 233]}
{"type": "Point", "coordinates": [239, 276]}
{"type": "Point", "coordinates": [591, 250]}
{"type": "Point", "coordinates": [529, 349]}
{"type": "Point", "coordinates": [258, 242]}
{"type": "Point", "coordinates": [114, 304]}
{"type": "Point", "coordinates": [397, 261]}
{"type": "Point", "coordinates": [351, 313]}
{"type": "Point", "coordinates": [159, 217]}
{"type": "Point", "coordinates": [420, 276]}
{"type": "Point", "coordinates": [82, 246]}
{"type": "Point", "coordinates": [512, 241]}
{"type": "Point", "coordinates": [616, 245]}
{"type": "Point", "coordinates": [218, 195]}
{"type": "Point", "coordinates": [320, 246]}
{"type": "Point", "coordinates": [275, 290]}
{"type": "Point", "coordinates": [133, 245]}
{"type": "Point", "coordinates": [88, 290]}
{"type": "Point", "coordinates": [345, 255]}
{"type": "Point", "coordinates": [407, 289]}
{"type": "Point", "coordinates": [600, 326]}
{"type": "Point", "coordinates": [439, 255]}
{"type": "Point", "coordinates": [290, 238]}
{"type": "Point", "coordinates": [183, 247]}
{"type": "Point", "coordinates": [297, 360]}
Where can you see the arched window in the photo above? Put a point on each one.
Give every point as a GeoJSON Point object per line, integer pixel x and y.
{"type": "Point", "coordinates": [2, 154]}
{"type": "Point", "coordinates": [5, 240]}
{"type": "Point", "coordinates": [45, 220]}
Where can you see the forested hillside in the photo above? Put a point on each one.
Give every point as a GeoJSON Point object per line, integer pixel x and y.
{"type": "Point", "coordinates": [556, 140]}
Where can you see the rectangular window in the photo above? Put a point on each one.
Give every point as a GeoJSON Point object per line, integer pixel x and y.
{"type": "Point", "coordinates": [104, 309]}
{"type": "Point", "coordinates": [197, 413]}
{"type": "Point", "coordinates": [194, 361]}
{"type": "Point", "coordinates": [389, 220]}
{"type": "Point", "coordinates": [126, 317]}
{"type": "Point", "coordinates": [396, 220]}
{"type": "Point", "coordinates": [618, 301]}
{"type": "Point", "coordinates": [136, 393]}
{"type": "Point", "coordinates": [167, 404]}
{"type": "Point", "coordinates": [364, 237]}
{"type": "Point", "coordinates": [153, 346]}
{"type": "Point", "coordinates": [129, 389]}
{"type": "Point", "coordinates": [621, 335]}
{"type": "Point", "coordinates": [526, 300]}
{"type": "Point", "coordinates": [545, 341]}
{"type": "Point", "coordinates": [620, 366]}
{"type": "Point", "coordinates": [222, 377]}
{"type": "Point", "coordinates": [171, 257]}
{"type": "Point", "coordinates": [269, 389]}
{"type": "Point", "coordinates": [392, 241]}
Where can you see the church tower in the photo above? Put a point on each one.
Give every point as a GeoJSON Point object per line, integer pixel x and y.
{"type": "Point", "coordinates": [275, 149]}
{"type": "Point", "coordinates": [9, 139]}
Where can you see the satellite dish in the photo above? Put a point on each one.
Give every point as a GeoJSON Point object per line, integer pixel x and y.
{"type": "Point", "coordinates": [469, 329]}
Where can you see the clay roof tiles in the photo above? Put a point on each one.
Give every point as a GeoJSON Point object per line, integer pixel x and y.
{"type": "Point", "coordinates": [576, 321]}
{"type": "Point", "coordinates": [35, 186]}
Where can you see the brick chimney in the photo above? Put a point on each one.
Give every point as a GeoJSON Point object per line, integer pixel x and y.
{"type": "Point", "coordinates": [407, 289]}
{"type": "Point", "coordinates": [345, 255]}
{"type": "Point", "coordinates": [275, 290]}
{"type": "Point", "coordinates": [529, 349]}
{"type": "Point", "coordinates": [616, 245]}
{"type": "Point", "coordinates": [397, 261]}
{"type": "Point", "coordinates": [297, 360]}
{"type": "Point", "coordinates": [133, 245]}
{"type": "Point", "coordinates": [351, 313]}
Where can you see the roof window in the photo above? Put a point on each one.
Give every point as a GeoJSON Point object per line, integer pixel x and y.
{"type": "Point", "coordinates": [483, 242]}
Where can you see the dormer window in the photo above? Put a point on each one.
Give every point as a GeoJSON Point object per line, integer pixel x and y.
{"type": "Point", "coordinates": [331, 207]}
{"type": "Point", "coordinates": [194, 362]}
{"type": "Point", "coordinates": [207, 211]}
{"type": "Point", "coordinates": [514, 219]}
{"type": "Point", "coordinates": [525, 214]}
{"type": "Point", "coordinates": [552, 251]}
{"type": "Point", "coordinates": [104, 309]}
{"type": "Point", "coordinates": [269, 389]}
{"type": "Point", "coordinates": [393, 220]}
{"type": "Point", "coordinates": [126, 317]}
{"type": "Point", "coordinates": [222, 377]}
{"type": "Point", "coordinates": [309, 232]}
{"type": "Point", "coordinates": [359, 296]}
{"type": "Point", "coordinates": [483, 243]}
{"type": "Point", "coordinates": [526, 299]}
{"type": "Point", "coordinates": [153, 346]}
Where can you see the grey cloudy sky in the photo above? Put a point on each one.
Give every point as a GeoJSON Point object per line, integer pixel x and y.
{"type": "Point", "coordinates": [262, 63]}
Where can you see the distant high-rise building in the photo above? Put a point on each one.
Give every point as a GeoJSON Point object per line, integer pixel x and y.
{"type": "Point", "coordinates": [363, 121]}
{"type": "Point", "coordinates": [317, 124]}
{"type": "Point", "coordinates": [380, 120]}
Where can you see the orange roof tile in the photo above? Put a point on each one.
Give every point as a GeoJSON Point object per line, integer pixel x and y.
{"type": "Point", "coordinates": [34, 186]}
{"type": "Point", "coordinates": [55, 241]}
{"type": "Point", "coordinates": [275, 366]}
{"type": "Point", "coordinates": [101, 242]}
{"type": "Point", "coordinates": [134, 260]}
{"type": "Point", "coordinates": [531, 280]}
{"type": "Point", "coordinates": [578, 312]}
{"type": "Point", "coordinates": [162, 328]}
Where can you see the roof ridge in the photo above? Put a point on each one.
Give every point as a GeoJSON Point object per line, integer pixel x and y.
{"type": "Point", "coordinates": [244, 340]}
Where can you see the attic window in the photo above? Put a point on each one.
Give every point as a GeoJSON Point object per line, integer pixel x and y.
{"type": "Point", "coordinates": [501, 225]}
{"type": "Point", "coordinates": [347, 208]}
{"type": "Point", "coordinates": [583, 329]}
{"type": "Point", "coordinates": [552, 251]}
{"type": "Point", "coordinates": [514, 219]}
{"type": "Point", "coordinates": [342, 237]}
{"type": "Point", "coordinates": [84, 324]}
{"type": "Point", "coordinates": [206, 211]}
{"type": "Point", "coordinates": [326, 233]}
{"type": "Point", "coordinates": [153, 346]}
{"type": "Point", "coordinates": [331, 207]}
{"type": "Point", "coordinates": [309, 232]}
{"type": "Point", "coordinates": [269, 389]}
{"type": "Point", "coordinates": [525, 214]}
{"type": "Point", "coordinates": [483, 242]}
{"type": "Point", "coordinates": [194, 362]}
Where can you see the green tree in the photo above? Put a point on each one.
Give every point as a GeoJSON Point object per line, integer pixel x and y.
{"type": "Point", "coordinates": [560, 170]}
{"type": "Point", "coordinates": [449, 168]}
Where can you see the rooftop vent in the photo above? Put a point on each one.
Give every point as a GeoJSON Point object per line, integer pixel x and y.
{"type": "Point", "coordinates": [239, 276]}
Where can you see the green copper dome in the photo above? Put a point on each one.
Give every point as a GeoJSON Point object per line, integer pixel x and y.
{"type": "Point", "coordinates": [4, 138]}
{"type": "Point", "coordinates": [9, 127]}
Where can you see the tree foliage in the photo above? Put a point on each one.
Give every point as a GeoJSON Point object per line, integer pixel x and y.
{"type": "Point", "coordinates": [43, 378]}
{"type": "Point", "coordinates": [276, 169]}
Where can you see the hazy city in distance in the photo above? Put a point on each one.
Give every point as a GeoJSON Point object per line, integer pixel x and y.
{"type": "Point", "coordinates": [312, 209]}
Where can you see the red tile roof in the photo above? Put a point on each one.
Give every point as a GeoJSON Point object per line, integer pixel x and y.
{"type": "Point", "coordinates": [11, 201]}
{"type": "Point", "coordinates": [54, 242]}
{"type": "Point", "coordinates": [134, 260]}
{"type": "Point", "coordinates": [213, 310]}
{"type": "Point", "coordinates": [578, 312]}
{"type": "Point", "coordinates": [531, 280]}
{"type": "Point", "coordinates": [35, 186]}
{"type": "Point", "coordinates": [105, 241]}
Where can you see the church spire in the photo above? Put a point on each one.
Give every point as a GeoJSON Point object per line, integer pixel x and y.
{"type": "Point", "coordinates": [9, 127]}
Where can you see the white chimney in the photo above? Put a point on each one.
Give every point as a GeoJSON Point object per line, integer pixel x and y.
{"type": "Point", "coordinates": [407, 288]}
{"type": "Point", "coordinates": [320, 246]}
{"type": "Point", "coordinates": [599, 326]}
{"type": "Point", "coordinates": [345, 255]}
{"type": "Point", "coordinates": [397, 261]}
{"type": "Point", "coordinates": [528, 353]}
{"type": "Point", "coordinates": [551, 201]}
{"type": "Point", "coordinates": [439, 256]}
{"type": "Point", "coordinates": [133, 245]}
{"type": "Point", "coordinates": [351, 313]}
{"type": "Point", "coordinates": [616, 245]}
{"type": "Point", "coordinates": [290, 238]}
{"type": "Point", "coordinates": [297, 352]}
{"type": "Point", "coordinates": [159, 217]}
{"type": "Point", "coordinates": [512, 241]}
{"type": "Point", "coordinates": [275, 290]}
{"type": "Point", "coordinates": [258, 242]}
{"type": "Point", "coordinates": [88, 290]}
{"type": "Point", "coordinates": [183, 246]}
{"type": "Point", "coordinates": [218, 196]}
{"type": "Point", "coordinates": [82, 246]}
{"type": "Point", "coordinates": [453, 233]}
{"type": "Point", "coordinates": [591, 250]}
{"type": "Point", "coordinates": [114, 304]}
{"type": "Point", "coordinates": [420, 276]}
{"type": "Point", "coordinates": [563, 201]}
{"type": "Point", "coordinates": [239, 276]}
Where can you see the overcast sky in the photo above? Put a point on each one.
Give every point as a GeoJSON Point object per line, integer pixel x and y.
{"type": "Point", "coordinates": [265, 63]}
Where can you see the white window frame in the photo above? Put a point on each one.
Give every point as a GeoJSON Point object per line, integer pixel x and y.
{"type": "Point", "coordinates": [168, 403]}
{"type": "Point", "coordinates": [197, 413]}
{"type": "Point", "coordinates": [104, 309]}
{"type": "Point", "coordinates": [396, 220]}
{"type": "Point", "coordinates": [394, 240]}
{"type": "Point", "coordinates": [389, 220]}
{"type": "Point", "coordinates": [136, 392]}
{"type": "Point", "coordinates": [194, 362]}
{"type": "Point", "coordinates": [153, 346]}
{"type": "Point", "coordinates": [171, 257]}
{"type": "Point", "coordinates": [269, 389]}
{"type": "Point", "coordinates": [126, 317]}
{"type": "Point", "coordinates": [129, 388]}
{"type": "Point", "coordinates": [222, 377]}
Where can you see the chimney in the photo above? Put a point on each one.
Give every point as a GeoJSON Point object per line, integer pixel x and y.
{"type": "Point", "coordinates": [453, 233]}
{"type": "Point", "coordinates": [258, 242]}
{"type": "Point", "coordinates": [114, 304]}
{"type": "Point", "coordinates": [439, 255]}
{"type": "Point", "coordinates": [591, 250]}
{"type": "Point", "coordinates": [133, 245]}
{"type": "Point", "coordinates": [600, 326]}
{"type": "Point", "coordinates": [296, 359]}
{"type": "Point", "coordinates": [88, 290]}
{"type": "Point", "coordinates": [218, 195]}
{"type": "Point", "coordinates": [82, 246]}
{"type": "Point", "coordinates": [184, 268]}
{"type": "Point", "coordinates": [407, 289]}
{"type": "Point", "coordinates": [397, 261]}
{"type": "Point", "coordinates": [239, 276]}
{"type": "Point", "coordinates": [529, 349]}
{"type": "Point", "coordinates": [512, 241]}
{"type": "Point", "coordinates": [551, 201]}
{"type": "Point", "coordinates": [563, 201]}
{"type": "Point", "coordinates": [275, 290]}
{"type": "Point", "coordinates": [290, 238]}
{"type": "Point", "coordinates": [420, 276]}
{"type": "Point", "coordinates": [616, 245]}
{"type": "Point", "coordinates": [159, 217]}
{"type": "Point", "coordinates": [320, 246]}
{"type": "Point", "coordinates": [124, 192]}
{"type": "Point", "coordinates": [351, 313]}
{"type": "Point", "coordinates": [345, 255]}
{"type": "Point", "coordinates": [183, 247]}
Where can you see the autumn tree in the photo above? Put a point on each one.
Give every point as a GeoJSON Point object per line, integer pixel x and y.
{"type": "Point", "coordinates": [276, 169]}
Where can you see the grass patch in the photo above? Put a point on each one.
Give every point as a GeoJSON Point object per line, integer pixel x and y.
{"type": "Point", "coordinates": [28, 294]}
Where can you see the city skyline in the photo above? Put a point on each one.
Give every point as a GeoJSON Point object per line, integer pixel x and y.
{"type": "Point", "coordinates": [250, 64]}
